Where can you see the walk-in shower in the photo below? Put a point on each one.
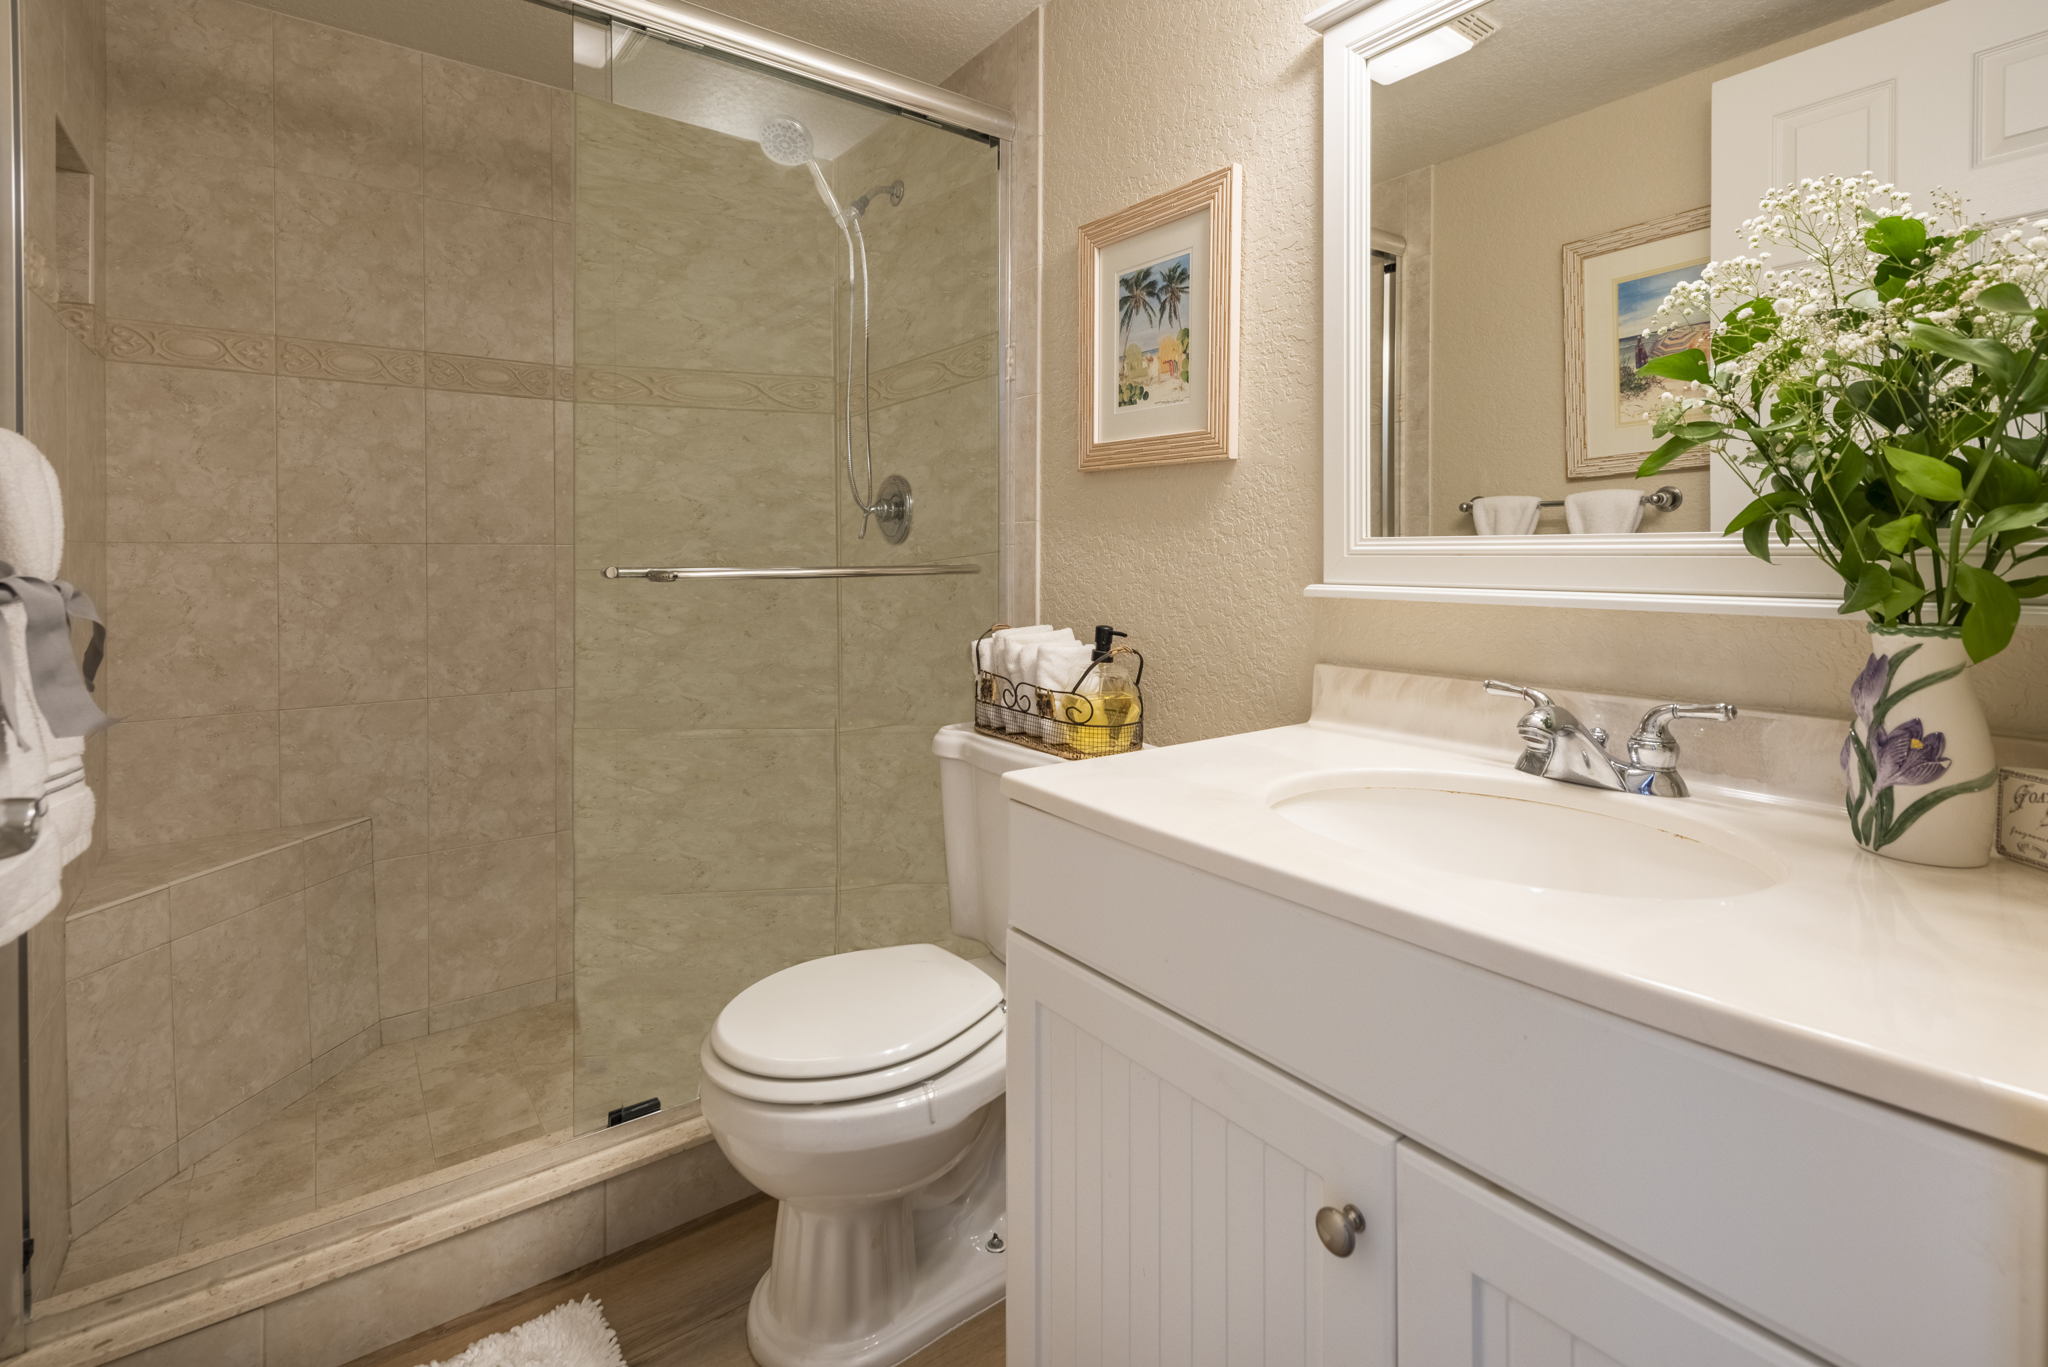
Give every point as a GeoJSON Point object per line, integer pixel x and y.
{"type": "Point", "coordinates": [405, 886]}
{"type": "Point", "coordinates": [788, 143]}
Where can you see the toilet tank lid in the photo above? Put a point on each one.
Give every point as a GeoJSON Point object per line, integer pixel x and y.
{"type": "Point", "coordinates": [853, 1013]}
{"type": "Point", "coordinates": [961, 741]}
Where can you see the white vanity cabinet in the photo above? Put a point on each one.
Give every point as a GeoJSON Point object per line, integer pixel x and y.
{"type": "Point", "coordinates": [1197, 1066]}
{"type": "Point", "coordinates": [1175, 1188]}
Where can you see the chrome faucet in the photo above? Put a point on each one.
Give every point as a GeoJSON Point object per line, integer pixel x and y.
{"type": "Point", "coordinates": [1558, 745]}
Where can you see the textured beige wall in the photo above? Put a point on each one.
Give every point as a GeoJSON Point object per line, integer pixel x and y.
{"type": "Point", "coordinates": [1205, 564]}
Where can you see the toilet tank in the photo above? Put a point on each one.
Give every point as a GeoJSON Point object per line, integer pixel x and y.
{"type": "Point", "coordinates": [971, 769]}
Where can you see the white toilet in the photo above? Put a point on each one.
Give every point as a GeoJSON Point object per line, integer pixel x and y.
{"type": "Point", "coordinates": [864, 1092]}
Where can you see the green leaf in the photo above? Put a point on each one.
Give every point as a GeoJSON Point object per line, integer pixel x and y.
{"type": "Point", "coordinates": [1756, 538]}
{"type": "Point", "coordinates": [1768, 505]}
{"type": "Point", "coordinates": [1689, 365]}
{"type": "Point", "coordinates": [1994, 611]}
{"type": "Point", "coordinates": [2030, 588]}
{"type": "Point", "coordinates": [2006, 297]}
{"type": "Point", "coordinates": [1905, 596]}
{"type": "Point", "coordinates": [1906, 531]}
{"type": "Point", "coordinates": [1896, 237]}
{"type": "Point", "coordinates": [1671, 450]}
{"type": "Point", "coordinates": [1898, 826]}
{"type": "Point", "coordinates": [2010, 520]}
{"type": "Point", "coordinates": [1926, 476]}
{"type": "Point", "coordinates": [1990, 356]}
{"type": "Point", "coordinates": [1872, 587]}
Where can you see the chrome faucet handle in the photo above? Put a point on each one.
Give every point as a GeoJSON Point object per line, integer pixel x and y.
{"type": "Point", "coordinates": [1652, 747]}
{"type": "Point", "coordinates": [1535, 697]}
{"type": "Point", "coordinates": [1539, 726]}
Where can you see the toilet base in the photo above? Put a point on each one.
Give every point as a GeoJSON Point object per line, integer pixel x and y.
{"type": "Point", "coordinates": [868, 1284]}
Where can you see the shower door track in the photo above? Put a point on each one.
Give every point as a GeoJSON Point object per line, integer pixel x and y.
{"type": "Point", "coordinates": [669, 576]}
{"type": "Point", "coordinates": [700, 27]}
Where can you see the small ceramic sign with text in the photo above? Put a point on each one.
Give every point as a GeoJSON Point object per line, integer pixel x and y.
{"type": "Point", "coordinates": [2023, 815]}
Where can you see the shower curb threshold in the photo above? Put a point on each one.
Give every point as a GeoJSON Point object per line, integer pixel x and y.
{"type": "Point", "coordinates": [102, 1331]}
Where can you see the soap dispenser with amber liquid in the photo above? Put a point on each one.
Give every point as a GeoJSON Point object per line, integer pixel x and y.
{"type": "Point", "coordinates": [1115, 706]}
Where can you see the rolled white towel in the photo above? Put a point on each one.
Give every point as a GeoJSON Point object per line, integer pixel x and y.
{"type": "Point", "coordinates": [31, 509]}
{"type": "Point", "coordinates": [31, 883]}
{"type": "Point", "coordinates": [1009, 663]}
{"type": "Point", "coordinates": [1603, 512]}
{"type": "Point", "coordinates": [1506, 514]}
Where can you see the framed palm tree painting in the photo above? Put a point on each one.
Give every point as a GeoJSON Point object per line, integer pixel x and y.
{"type": "Point", "coordinates": [1158, 314]}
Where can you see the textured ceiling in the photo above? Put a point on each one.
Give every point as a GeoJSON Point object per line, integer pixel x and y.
{"type": "Point", "coordinates": [928, 39]}
{"type": "Point", "coordinates": [1555, 58]}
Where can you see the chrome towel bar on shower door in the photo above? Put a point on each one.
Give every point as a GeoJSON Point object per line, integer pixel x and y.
{"type": "Point", "coordinates": [669, 576]}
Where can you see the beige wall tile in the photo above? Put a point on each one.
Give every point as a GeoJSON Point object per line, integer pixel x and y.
{"type": "Point", "coordinates": [490, 138]}
{"type": "Point", "coordinates": [349, 262]}
{"type": "Point", "coordinates": [351, 461]}
{"type": "Point", "coordinates": [236, 1342]}
{"type": "Point", "coordinates": [490, 283]}
{"type": "Point", "coordinates": [901, 644]}
{"type": "Point", "coordinates": [341, 957]}
{"type": "Point", "coordinates": [683, 486]}
{"type": "Point", "coordinates": [653, 972]}
{"type": "Point", "coordinates": [191, 242]}
{"type": "Point", "coordinates": [563, 115]}
{"type": "Point", "coordinates": [457, 1015]}
{"type": "Point", "coordinates": [105, 937]}
{"type": "Point", "coordinates": [663, 811]}
{"type": "Point", "coordinates": [493, 918]}
{"type": "Point", "coordinates": [214, 897]}
{"type": "Point", "coordinates": [667, 1193]}
{"type": "Point", "coordinates": [899, 914]}
{"type": "Point", "coordinates": [724, 655]}
{"type": "Point", "coordinates": [197, 629]}
{"type": "Point", "coordinates": [129, 1194]}
{"type": "Point", "coordinates": [238, 994]}
{"type": "Point", "coordinates": [191, 777]}
{"type": "Point", "coordinates": [189, 79]}
{"type": "Point", "coordinates": [331, 855]}
{"type": "Point", "coordinates": [945, 444]}
{"type": "Point", "coordinates": [407, 891]}
{"type": "Point", "coordinates": [491, 761]}
{"type": "Point", "coordinates": [490, 468]}
{"type": "Point", "coordinates": [890, 826]}
{"type": "Point", "coordinates": [370, 760]}
{"type": "Point", "coordinates": [191, 454]}
{"type": "Point", "coordinates": [347, 106]}
{"type": "Point", "coordinates": [346, 1318]}
{"type": "Point", "coordinates": [410, 1026]}
{"type": "Point", "coordinates": [491, 625]}
{"type": "Point", "coordinates": [353, 623]}
{"type": "Point", "coordinates": [118, 1030]}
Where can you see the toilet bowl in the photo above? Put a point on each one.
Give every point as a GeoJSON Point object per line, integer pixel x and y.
{"type": "Point", "coordinates": [864, 1092]}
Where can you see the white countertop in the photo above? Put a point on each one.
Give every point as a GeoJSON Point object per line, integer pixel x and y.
{"type": "Point", "coordinates": [1923, 988]}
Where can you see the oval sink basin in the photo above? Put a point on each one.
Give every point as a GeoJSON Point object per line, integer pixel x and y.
{"type": "Point", "coordinates": [1580, 840]}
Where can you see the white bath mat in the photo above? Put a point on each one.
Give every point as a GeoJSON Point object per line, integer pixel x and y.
{"type": "Point", "coordinates": [571, 1335]}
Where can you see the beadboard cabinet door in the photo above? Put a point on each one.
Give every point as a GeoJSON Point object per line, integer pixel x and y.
{"type": "Point", "coordinates": [1167, 1192]}
{"type": "Point", "coordinates": [1488, 1282]}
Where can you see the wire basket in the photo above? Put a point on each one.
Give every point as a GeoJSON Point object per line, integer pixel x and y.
{"type": "Point", "coordinates": [1053, 721]}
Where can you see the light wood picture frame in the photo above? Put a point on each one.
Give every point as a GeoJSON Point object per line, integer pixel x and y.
{"type": "Point", "coordinates": [1611, 284]}
{"type": "Point", "coordinates": [1158, 328]}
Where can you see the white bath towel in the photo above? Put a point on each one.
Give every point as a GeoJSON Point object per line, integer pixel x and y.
{"type": "Point", "coordinates": [31, 509]}
{"type": "Point", "coordinates": [1506, 514]}
{"type": "Point", "coordinates": [1009, 663]}
{"type": "Point", "coordinates": [1603, 512]}
{"type": "Point", "coordinates": [31, 883]}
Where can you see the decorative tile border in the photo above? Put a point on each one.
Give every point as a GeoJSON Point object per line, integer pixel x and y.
{"type": "Point", "coordinates": [249, 353]}
{"type": "Point", "coordinates": [481, 375]}
{"type": "Point", "coordinates": [948, 369]}
{"type": "Point", "coordinates": [704, 389]}
{"type": "Point", "coordinates": [306, 359]}
{"type": "Point", "coordinates": [83, 322]}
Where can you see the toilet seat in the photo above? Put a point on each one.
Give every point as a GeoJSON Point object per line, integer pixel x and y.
{"type": "Point", "coordinates": [852, 1026]}
{"type": "Point", "coordinates": [855, 1086]}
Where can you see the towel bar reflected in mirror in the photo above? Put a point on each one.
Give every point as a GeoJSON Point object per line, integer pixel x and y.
{"type": "Point", "coordinates": [1666, 498]}
{"type": "Point", "coordinates": [669, 576]}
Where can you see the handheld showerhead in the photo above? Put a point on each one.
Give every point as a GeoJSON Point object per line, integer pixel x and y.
{"type": "Point", "coordinates": [787, 142]}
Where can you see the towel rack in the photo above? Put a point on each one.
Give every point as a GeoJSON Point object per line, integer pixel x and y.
{"type": "Point", "coordinates": [1666, 498]}
{"type": "Point", "coordinates": [669, 576]}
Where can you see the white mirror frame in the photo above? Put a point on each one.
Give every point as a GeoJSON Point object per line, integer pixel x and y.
{"type": "Point", "coordinates": [1677, 572]}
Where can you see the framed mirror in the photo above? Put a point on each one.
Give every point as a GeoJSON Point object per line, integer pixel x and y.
{"type": "Point", "coordinates": [1512, 188]}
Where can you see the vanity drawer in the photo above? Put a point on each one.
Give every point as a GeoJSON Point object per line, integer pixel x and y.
{"type": "Point", "coordinates": [1868, 1236]}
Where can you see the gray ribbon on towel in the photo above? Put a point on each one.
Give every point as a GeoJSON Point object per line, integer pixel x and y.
{"type": "Point", "coordinates": [62, 688]}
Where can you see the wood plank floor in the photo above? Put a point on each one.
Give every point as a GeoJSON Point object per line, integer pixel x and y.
{"type": "Point", "coordinates": [677, 1301]}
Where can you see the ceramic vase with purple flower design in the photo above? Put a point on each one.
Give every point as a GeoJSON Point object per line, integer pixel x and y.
{"type": "Point", "coordinates": [1918, 757]}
